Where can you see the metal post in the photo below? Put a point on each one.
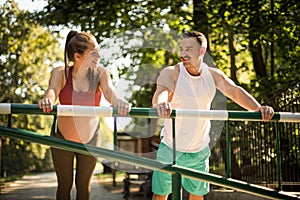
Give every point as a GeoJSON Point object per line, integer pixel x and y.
{"type": "Point", "coordinates": [278, 156]}
{"type": "Point", "coordinates": [54, 126]}
{"type": "Point", "coordinates": [115, 134]}
{"type": "Point", "coordinates": [228, 148]}
{"type": "Point", "coordinates": [115, 149]}
{"type": "Point", "coordinates": [176, 177]}
{"type": "Point", "coordinates": [176, 186]}
{"type": "Point", "coordinates": [9, 121]}
{"type": "Point", "coordinates": [174, 141]}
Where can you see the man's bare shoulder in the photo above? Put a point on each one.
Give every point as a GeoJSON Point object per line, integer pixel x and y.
{"type": "Point", "coordinates": [171, 70]}
{"type": "Point", "coordinates": [168, 76]}
{"type": "Point", "coordinates": [215, 72]}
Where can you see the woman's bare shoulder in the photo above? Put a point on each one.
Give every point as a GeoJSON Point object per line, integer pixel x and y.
{"type": "Point", "coordinates": [58, 74]}
{"type": "Point", "coordinates": [59, 69]}
{"type": "Point", "coordinates": [101, 69]}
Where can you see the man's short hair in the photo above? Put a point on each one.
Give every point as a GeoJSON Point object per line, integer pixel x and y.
{"type": "Point", "coordinates": [200, 37]}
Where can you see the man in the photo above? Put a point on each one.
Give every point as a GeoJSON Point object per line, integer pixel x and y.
{"type": "Point", "coordinates": [192, 84]}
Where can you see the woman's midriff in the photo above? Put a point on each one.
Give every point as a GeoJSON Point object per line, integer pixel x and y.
{"type": "Point", "coordinates": [77, 129]}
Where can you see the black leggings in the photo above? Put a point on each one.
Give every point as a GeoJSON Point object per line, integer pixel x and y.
{"type": "Point", "coordinates": [63, 163]}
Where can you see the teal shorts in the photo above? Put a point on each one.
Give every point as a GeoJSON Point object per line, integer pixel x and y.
{"type": "Point", "coordinates": [162, 182]}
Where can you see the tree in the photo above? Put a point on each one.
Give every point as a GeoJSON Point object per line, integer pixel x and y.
{"type": "Point", "coordinates": [28, 52]}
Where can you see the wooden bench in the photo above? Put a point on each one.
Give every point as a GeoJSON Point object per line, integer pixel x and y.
{"type": "Point", "coordinates": [135, 175]}
{"type": "Point", "coordinates": [143, 179]}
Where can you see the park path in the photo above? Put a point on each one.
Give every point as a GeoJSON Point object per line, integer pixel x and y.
{"type": "Point", "coordinates": [43, 187]}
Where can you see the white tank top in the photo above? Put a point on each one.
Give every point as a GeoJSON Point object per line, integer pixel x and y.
{"type": "Point", "coordinates": [191, 92]}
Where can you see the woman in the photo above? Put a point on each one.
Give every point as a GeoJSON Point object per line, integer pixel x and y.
{"type": "Point", "coordinates": [79, 82]}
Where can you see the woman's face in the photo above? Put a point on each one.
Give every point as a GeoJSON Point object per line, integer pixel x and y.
{"type": "Point", "coordinates": [91, 56]}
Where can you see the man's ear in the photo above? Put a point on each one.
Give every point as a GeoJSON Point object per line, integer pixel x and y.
{"type": "Point", "coordinates": [202, 51]}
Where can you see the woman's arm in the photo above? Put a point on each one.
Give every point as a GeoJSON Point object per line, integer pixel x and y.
{"type": "Point", "coordinates": [109, 94]}
{"type": "Point", "coordinates": [56, 83]}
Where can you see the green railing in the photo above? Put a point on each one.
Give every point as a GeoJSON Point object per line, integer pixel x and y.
{"type": "Point", "coordinates": [175, 170]}
{"type": "Point", "coordinates": [62, 110]}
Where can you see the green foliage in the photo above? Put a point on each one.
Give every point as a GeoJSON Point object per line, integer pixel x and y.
{"type": "Point", "coordinates": [28, 52]}
{"type": "Point", "coordinates": [254, 43]}
{"type": "Point", "coordinates": [246, 40]}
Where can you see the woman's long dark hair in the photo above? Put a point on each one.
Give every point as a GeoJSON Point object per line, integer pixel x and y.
{"type": "Point", "coordinates": [67, 53]}
{"type": "Point", "coordinates": [78, 42]}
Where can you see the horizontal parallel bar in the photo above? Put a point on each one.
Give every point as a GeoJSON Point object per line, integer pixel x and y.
{"type": "Point", "coordinates": [143, 162]}
{"type": "Point", "coordinates": [100, 111]}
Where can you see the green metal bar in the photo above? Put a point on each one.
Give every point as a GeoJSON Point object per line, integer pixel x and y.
{"type": "Point", "coordinates": [245, 115]}
{"type": "Point", "coordinates": [30, 109]}
{"type": "Point", "coordinates": [115, 134]}
{"type": "Point", "coordinates": [176, 186]}
{"type": "Point", "coordinates": [174, 141]}
{"type": "Point", "coordinates": [54, 126]}
{"type": "Point", "coordinates": [250, 115]}
{"type": "Point", "coordinates": [278, 156]}
{"type": "Point", "coordinates": [78, 147]}
{"type": "Point", "coordinates": [144, 162]}
{"type": "Point", "coordinates": [228, 148]}
{"type": "Point", "coordinates": [176, 178]}
{"type": "Point", "coordinates": [9, 120]}
{"type": "Point", "coordinates": [151, 113]}
{"type": "Point", "coordinates": [141, 112]}
{"type": "Point", "coordinates": [115, 149]}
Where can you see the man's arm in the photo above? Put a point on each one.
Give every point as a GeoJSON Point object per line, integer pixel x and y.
{"type": "Point", "coordinates": [240, 95]}
{"type": "Point", "coordinates": [164, 91]}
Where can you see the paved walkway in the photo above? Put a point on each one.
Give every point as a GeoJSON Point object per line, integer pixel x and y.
{"type": "Point", "coordinates": [43, 187]}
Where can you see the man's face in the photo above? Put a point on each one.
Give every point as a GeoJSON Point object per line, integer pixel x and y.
{"type": "Point", "coordinates": [190, 53]}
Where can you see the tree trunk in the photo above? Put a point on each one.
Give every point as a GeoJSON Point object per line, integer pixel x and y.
{"type": "Point", "coordinates": [258, 61]}
{"type": "Point", "coordinates": [272, 42]}
{"type": "Point", "coordinates": [232, 57]}
{"type": "Point", "coordinates": [254, 41]}
{"type": "Point", "coordinates": [200, 19]}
